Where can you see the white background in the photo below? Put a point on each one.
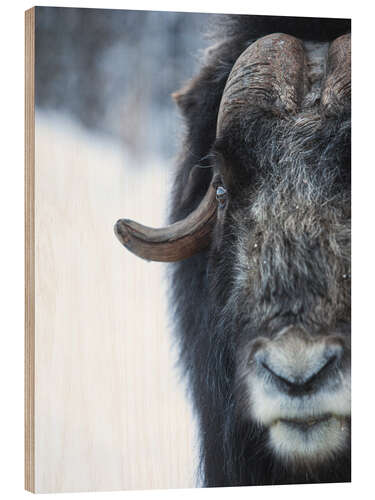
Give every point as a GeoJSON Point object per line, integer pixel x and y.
{"type": "Point", "coordinates": [12, 250]}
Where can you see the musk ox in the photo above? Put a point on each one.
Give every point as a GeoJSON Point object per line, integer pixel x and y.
{"type": "Point", "coordinates": [260, 237]}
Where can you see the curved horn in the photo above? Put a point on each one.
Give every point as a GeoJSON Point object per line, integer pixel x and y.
{"type": "Point", "coordinates": [268, 75]}
{"type": "Point", "coordinates": [337, 88]}
{"type": "Point", "coordinates": [175, 242]}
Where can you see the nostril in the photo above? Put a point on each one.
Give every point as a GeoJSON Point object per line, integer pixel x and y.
{"type": "Point", "coordinates": [334, 348]}
{"type": "Point", "coordinates": [297, 382]}
{"type": "Point", "coordinates": [330, 361]}
{"type": "Point", "coordinates": [258, 350]}
{"type": "Point", "coordinates": [287, 381]}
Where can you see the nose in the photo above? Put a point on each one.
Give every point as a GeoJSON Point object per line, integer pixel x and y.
{"type": "Point", "coordinates": [298, 364]}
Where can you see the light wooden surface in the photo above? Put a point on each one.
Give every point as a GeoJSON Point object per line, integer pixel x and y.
{"type": "Point", "coordinates": [109, 411]}
{"type": "Point", "coordinates": [29, 248]}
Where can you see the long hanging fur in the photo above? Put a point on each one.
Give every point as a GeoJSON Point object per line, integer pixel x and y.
{"type": "Point", "coordinates": [208, 309]}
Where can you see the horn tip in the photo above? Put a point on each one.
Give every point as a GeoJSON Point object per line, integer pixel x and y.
{"type": "Point", "coordinates": [121, 230]}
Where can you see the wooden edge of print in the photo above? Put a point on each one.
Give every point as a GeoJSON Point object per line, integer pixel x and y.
{"type": "Point", "coordinates": [29, 249]}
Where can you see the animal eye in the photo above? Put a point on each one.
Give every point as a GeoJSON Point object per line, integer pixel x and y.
{"type": "Point", "coordinates": [221, 195]}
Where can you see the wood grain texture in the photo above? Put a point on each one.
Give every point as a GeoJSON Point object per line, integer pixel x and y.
{"type": "Point", "coordinates": [110, 413]}
{"type": "Point", "coordinates": [29, 249]}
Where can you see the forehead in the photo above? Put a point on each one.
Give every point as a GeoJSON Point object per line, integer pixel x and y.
{"type": "Point", "coordinates": [285, 97]}
{"type": "Point", "coordinates": [258, 145]}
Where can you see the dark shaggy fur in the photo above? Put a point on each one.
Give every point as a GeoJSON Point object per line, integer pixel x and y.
{"type": "Point", "coordinates": [280, 253]}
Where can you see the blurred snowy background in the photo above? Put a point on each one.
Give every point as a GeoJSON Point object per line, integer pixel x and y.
{"type": "Point", "coordinates": [114, 70]}
{"type": "Point", "coordinates": [110, 410]}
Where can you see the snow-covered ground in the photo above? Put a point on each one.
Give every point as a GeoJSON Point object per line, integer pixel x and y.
{"type": "Point", "coordinates": [110, 412]}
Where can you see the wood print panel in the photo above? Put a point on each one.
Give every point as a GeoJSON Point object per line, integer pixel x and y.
{"type": "Point", "coordinates": [29, 248]}
{"type": "Point", "coordinates": [263, 305]}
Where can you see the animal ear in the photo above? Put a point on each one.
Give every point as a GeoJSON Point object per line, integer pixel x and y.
{"type": "Point", "coordinates": [190, 95]}
{"type": "Point", "coordinates": [199, 99]}
{"type": "Point", "coordinates": [202, 94]}
{"type": "Point", "coordinates": [181, 98]}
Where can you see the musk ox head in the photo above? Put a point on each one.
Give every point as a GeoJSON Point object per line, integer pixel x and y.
{"type": "Point", "coordinates": [274, 226]}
